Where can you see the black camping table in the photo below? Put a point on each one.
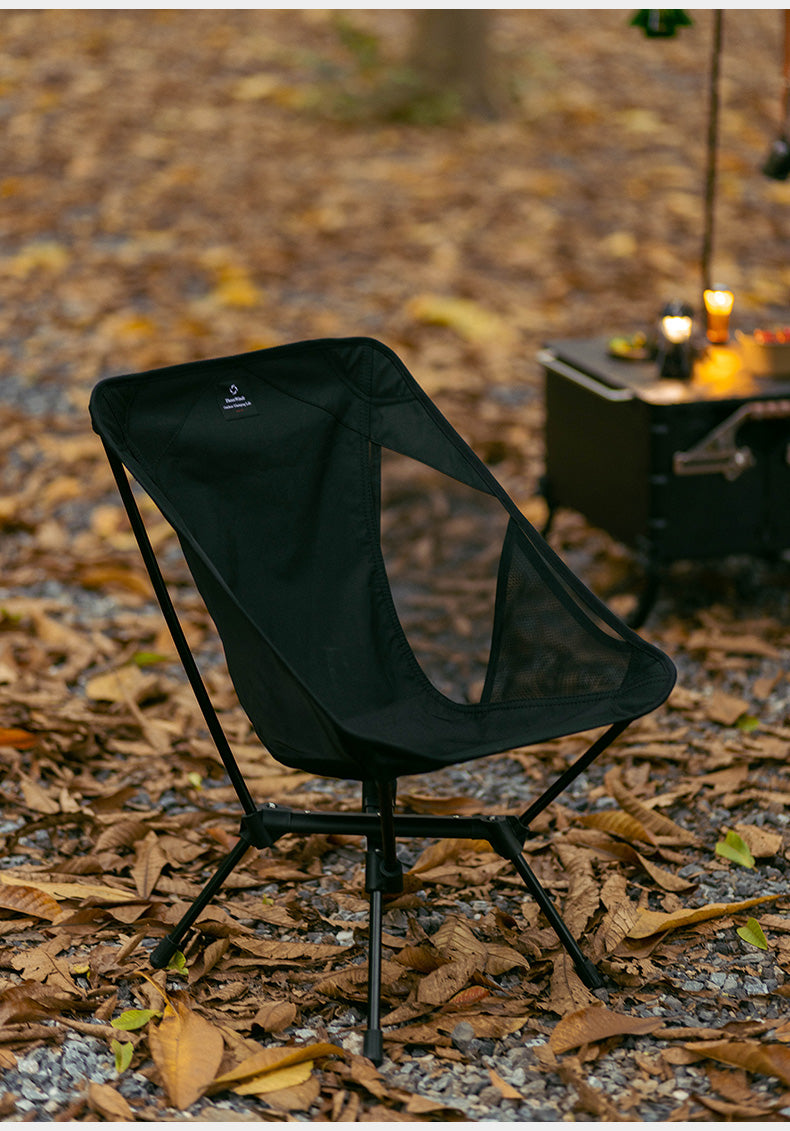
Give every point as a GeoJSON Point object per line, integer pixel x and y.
{"type": "Point", "coordinates": [676, 470]}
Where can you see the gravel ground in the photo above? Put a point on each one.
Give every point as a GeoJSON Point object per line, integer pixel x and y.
{"type": "Point", "coordinates": [716, 982]}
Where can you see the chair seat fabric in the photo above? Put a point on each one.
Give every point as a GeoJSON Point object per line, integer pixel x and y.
{"type": "Point", "coordinates": [268, 467]}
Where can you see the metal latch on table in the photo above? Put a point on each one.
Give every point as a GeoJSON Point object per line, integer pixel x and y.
{"type": "Point", "coordinates": [718, 452]}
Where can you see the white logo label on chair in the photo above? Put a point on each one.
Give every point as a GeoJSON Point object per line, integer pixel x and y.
{"type": "Point", "coordinates": [233, 402]}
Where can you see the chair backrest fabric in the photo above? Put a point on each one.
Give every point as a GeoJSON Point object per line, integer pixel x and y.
{"type": "Point", "coordinates": [268, 466]}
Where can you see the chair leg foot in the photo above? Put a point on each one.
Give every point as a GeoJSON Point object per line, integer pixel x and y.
{"type": "Point", "coordinates": [590, 975]}
{"type": "Point", "coordinates": [373, 1045]}
{"type": "Point", "coordinates": [163, 952]}
{"type": "Point", "coordinates": [167, 947]}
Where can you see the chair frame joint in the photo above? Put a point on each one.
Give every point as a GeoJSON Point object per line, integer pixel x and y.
{"type": "Point", "coordinates": [381, 876]}
{"type": "Point", "coordinates": [263, 827]}
{"type": "Point", "coordinates": [506, 836]}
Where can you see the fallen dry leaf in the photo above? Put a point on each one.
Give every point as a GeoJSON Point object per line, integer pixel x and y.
{"type": "Point", "coordinates": [655, 823]}
{"type": "Point", "coordinates": [19, 739]}
{"type": "Point", "coordinates": [275, 1016]}
{"type": "Point", "coordinates": [650, 923]}
{"type": "Point", "coordinates": [275, 1080]}
{"type": "Point", "coordinates": [597, 1023]}
{"type": "Point", "coordinates": [187, 1050]}
{"type": "Point", "coordinates": [29, 901]}
{"type": "Point", "coordinates": [72, 890]}
{"type": "Point", "coordinates": [507, 1091]}
{"type": "Point", "coordinates": [107, 1102]}
{"type": "Point", "coordinates": [268, 1063]}
{"type": "Point", "coordinates": [129, 684]}
{"type": "Point", "coordinates": [445, 982]}
{"type": "Point", "coordinates": [725, 709]}
{"type": "Point", "coordinates": [762, 1058]}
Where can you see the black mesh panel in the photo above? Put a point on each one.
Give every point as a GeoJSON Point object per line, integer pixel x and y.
{"type": "Point", "coordinates": [542, 648]}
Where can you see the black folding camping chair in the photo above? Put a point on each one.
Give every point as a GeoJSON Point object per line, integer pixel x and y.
{"type": "Point", "coordinates": [269, 467]}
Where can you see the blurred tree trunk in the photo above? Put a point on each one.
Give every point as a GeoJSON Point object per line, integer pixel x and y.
{"type": "Point", "coordinates": [450, 58]}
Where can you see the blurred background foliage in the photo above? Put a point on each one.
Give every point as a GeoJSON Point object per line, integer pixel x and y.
{"type": "Point", "coordinates": [189, 183]}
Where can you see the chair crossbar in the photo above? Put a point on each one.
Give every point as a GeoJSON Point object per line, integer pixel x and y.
{"type": "Point", "coordinates": [505, 834]}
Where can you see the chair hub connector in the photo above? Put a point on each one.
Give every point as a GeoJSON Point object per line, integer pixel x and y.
{"type": "Point", "coordinates": [381, 876]}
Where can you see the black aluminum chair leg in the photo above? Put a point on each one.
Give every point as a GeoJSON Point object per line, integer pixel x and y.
{"type": "Point", "coordinates": [166, 948]}
{"type": "Point", "coordinates": [373, 1040]}
{"type": "Point", "coordinates": [587, 971]}
{"type": "Point", "coordinates": [383, 873]}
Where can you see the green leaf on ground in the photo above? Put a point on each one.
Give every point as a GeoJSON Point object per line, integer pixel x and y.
{"type": "Point", "coordinates": [753, 934]}
{"type": "Point", "coordinates": [123, 1055]}
{"type": "Point", "coordinates": [132, 1019]}
{"type": "Point", "coordinates": [735, 848]}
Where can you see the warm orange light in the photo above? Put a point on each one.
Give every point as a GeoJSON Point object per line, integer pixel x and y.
{"type": "Point", "coordinates": [718, 369]}
{"type": "Point", "coordinates": [718, 305]}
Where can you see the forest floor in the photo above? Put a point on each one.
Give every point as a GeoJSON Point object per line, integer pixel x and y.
{"type": "Point", "coordinates": [178, 185]}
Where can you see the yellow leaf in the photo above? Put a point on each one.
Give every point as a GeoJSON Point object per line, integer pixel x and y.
{"type": "Point", "coordinates": [275, 1081]}
{"type": "Point", "coordinates": [466, 317]}
{"type": "Point", "coordinates": [129, 328]}
{"type": "Point", "coordinates": [68, 890]}
{"type": "Point", "coordinates": [753, 934]}
{"type": "Point", "coordinates": [187, 1050]}
{"type": "Point", "coordinates": [132, 1019]}
{"type": "Point", "coordinates": [235, 288]}
{"type": "Point", "coordinates": [620, 244]}
{"type": "Point", "coordinates": [650, 923]}
{"type": "Point", "coordinates": [618, 823]}
{"type": "Point", "coordinates": [124, 1053]}
{"type": "Point", "coordinates": [252, 88]}
{"type": "Point", "coordinates": [28, 901]}
{"type": "Point", "coordinates": [654, 822]}
{"type": "Point", "coordinates": [41, 254]}
{"type": "Point", "coordinates": [640, 121]}
{"type": "Point", "coordinates": [126, 684]}
{"type": "Point", "coordinates": [272, 1060]}
{"type": "Point", "coordinates": [507, 1091]}
{"type": "Point", "coordinates": [300, 1098]}
{"type": "Point", "coordinates": [117, 577]}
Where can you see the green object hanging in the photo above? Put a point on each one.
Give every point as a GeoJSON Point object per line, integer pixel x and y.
{"type": "Point", "coordinates": [660, 23]}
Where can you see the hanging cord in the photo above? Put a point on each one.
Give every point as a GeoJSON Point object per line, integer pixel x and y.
{"type": "Point", "coordinates": [785, 107]}
{"type": "Point", "coordinates": [713, 139]}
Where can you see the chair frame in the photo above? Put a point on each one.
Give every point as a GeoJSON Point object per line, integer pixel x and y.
{"type": "Point", "coordinates": [262, 826]}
